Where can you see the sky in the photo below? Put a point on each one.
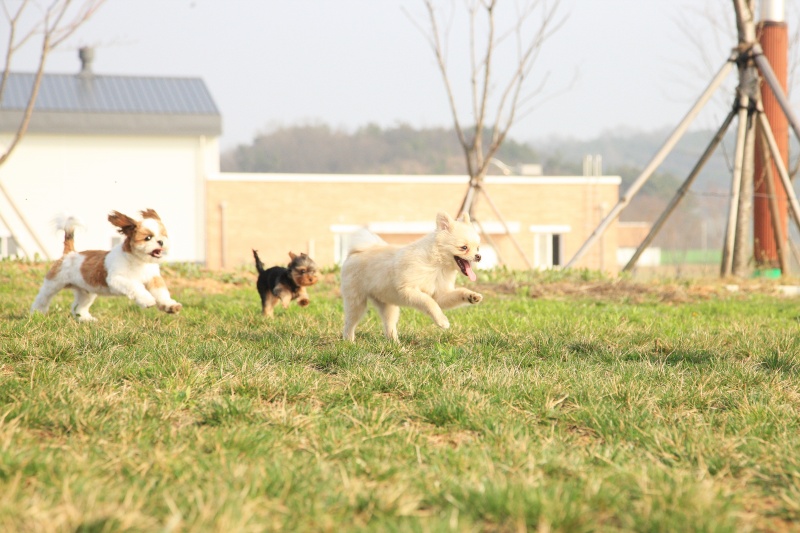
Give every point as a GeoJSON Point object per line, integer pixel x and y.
{"type": "Point", "coordinates": [637, 64]}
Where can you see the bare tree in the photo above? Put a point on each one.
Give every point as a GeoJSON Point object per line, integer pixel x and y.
{"type": "Point", "coordinates": [52, 24]}
{"type": "Point", "coordinates": [498, 99]}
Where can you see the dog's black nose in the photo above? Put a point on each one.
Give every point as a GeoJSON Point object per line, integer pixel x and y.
{"type": "Point", "coordinates": [161, 243]}
{"type": "Point", "coordinates": [477, 257]}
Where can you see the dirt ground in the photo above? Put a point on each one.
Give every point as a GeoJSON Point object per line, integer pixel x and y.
{"type": "Point", "coordinates": [639, 291]}
{"type": "Point", "coordinates": [612, 289]}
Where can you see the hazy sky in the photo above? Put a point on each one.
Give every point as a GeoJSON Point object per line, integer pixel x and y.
{"type": "Point", "coordinates": [348, 63]}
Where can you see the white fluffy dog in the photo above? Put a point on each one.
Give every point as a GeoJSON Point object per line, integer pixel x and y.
{"type": "Point", "coordinates": [129, 269]}
{"type": "Point", "coordinates": [421, 275]}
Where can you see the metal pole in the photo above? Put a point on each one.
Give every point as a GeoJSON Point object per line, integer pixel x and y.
{"type": "Point", "coordinates": [657, 159]}
{"type": "Point", "coordinates": [733, 210]}
{"type": "Point", "coordinates": [776, 157]}
{"type": "Point", "coordinates": [794, 250]}
{"type": "Point", "coordinates": [744, 219]}
{"type": "Point", "coordinates": [681, 191]}
{"type": "Point", "coordinates": [766, 70]}
{"type": "Point", "coordinates": [747, 89]}
{"type": "Point", "coordinates": [777, 226]}
{"type": "Point", "coordinates": [774, 41]}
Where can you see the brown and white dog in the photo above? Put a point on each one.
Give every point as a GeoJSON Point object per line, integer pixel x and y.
{"type": "Point", "coordinates": [129, 269]}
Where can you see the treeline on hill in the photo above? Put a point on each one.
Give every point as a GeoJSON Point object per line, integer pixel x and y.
{"type": "Point", "coordinates": [369, 150]}
{"type": "Point", "coordinates": [402, 149]}
{"type": "Point", "coordinates": [318, 148]}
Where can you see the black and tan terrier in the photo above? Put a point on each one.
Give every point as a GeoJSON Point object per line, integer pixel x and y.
{"type": "Point", "coordinates": [284, 284]}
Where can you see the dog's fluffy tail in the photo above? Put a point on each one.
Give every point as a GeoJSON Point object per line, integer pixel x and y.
{"type": "Point", "coordinates": [68, 223]}
{"type": "Point", "coordinates": [362, 239]}
{"type": "Point", "coordinates": [259, 264]}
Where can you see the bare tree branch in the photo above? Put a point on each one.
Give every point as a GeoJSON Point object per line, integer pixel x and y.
{"type": "Point", "coordinates": [511, 95]}
{"type": "Point", "coordinates": [13, 44]}
{"type": "Point", "coordinates": [55, 27]}
{"type": "Point", "coordinates": [526, 58]}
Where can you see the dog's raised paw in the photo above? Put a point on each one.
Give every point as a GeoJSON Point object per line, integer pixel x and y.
{"type": "Point", "coordinates": [474, 298]}
{"type": "Point", "coordinates": [172, 309]}
{"type": "Point", "coordinates": [303, 303]}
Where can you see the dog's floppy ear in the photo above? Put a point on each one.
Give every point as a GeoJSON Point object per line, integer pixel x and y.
{"type": "Point", "coordinates": [443, 221]}
{"type": "Point", "coordinates": [464, 217]}
{"type": "Point", "coordinates": [150, 213]}
{"type": "Point", "coordinates": [126, 224]}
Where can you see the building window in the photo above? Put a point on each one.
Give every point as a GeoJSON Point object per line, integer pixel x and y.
{"type": "Point", "coordinates": [547, 250]}
{"type": "Point", "coordinates": [548, 246]}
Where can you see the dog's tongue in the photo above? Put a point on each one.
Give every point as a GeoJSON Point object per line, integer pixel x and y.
{"type": "Point", "coordinates": [468, 271]}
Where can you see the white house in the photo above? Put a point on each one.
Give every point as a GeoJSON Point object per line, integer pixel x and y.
{"type": "Point", "coordinates": [98, 143]}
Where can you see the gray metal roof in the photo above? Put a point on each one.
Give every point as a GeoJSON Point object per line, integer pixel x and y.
{"type": "Point", "coordinates": [89, 103]}
{"type": "Point", "coordinates": [114, 94]}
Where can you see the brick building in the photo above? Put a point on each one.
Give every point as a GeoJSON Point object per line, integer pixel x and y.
{"type": "Point", "coordinates": [550, 217]}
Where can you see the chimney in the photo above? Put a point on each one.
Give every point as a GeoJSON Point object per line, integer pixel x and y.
{"type": "Point", "coordinates": [86, 54]}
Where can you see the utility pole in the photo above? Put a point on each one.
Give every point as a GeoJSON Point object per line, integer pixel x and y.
{"type": "Point", "coordinates": [773, 37]}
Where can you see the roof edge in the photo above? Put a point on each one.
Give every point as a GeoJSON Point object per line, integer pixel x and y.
{"type": "Point", "coordinates": [114, 123]}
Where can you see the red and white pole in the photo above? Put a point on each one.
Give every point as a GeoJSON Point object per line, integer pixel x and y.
{"type": "Point", "coordinates": [773, 38]}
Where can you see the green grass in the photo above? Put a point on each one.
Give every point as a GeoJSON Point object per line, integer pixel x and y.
{"type": "Point", "coordinates": [561, 403]}
{"type": "Point", "coordinates": [692, 257]}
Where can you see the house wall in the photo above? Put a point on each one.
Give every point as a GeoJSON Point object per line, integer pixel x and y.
{"type": "Point", "coordinates": [89, 176]}
{"type": "Point", "coordinates": [276, 213]}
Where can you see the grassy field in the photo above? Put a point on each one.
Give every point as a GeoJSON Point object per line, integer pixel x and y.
{"type": "Point", "coordinates": [557, 404]}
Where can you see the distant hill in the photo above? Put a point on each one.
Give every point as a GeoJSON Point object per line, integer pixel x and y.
{"type": "Point", "coordinates": [369, 150]}
{"type": "Point", "coordinates": [636, 149]}
{"type": "Point", "coordinates": [319, 148]}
